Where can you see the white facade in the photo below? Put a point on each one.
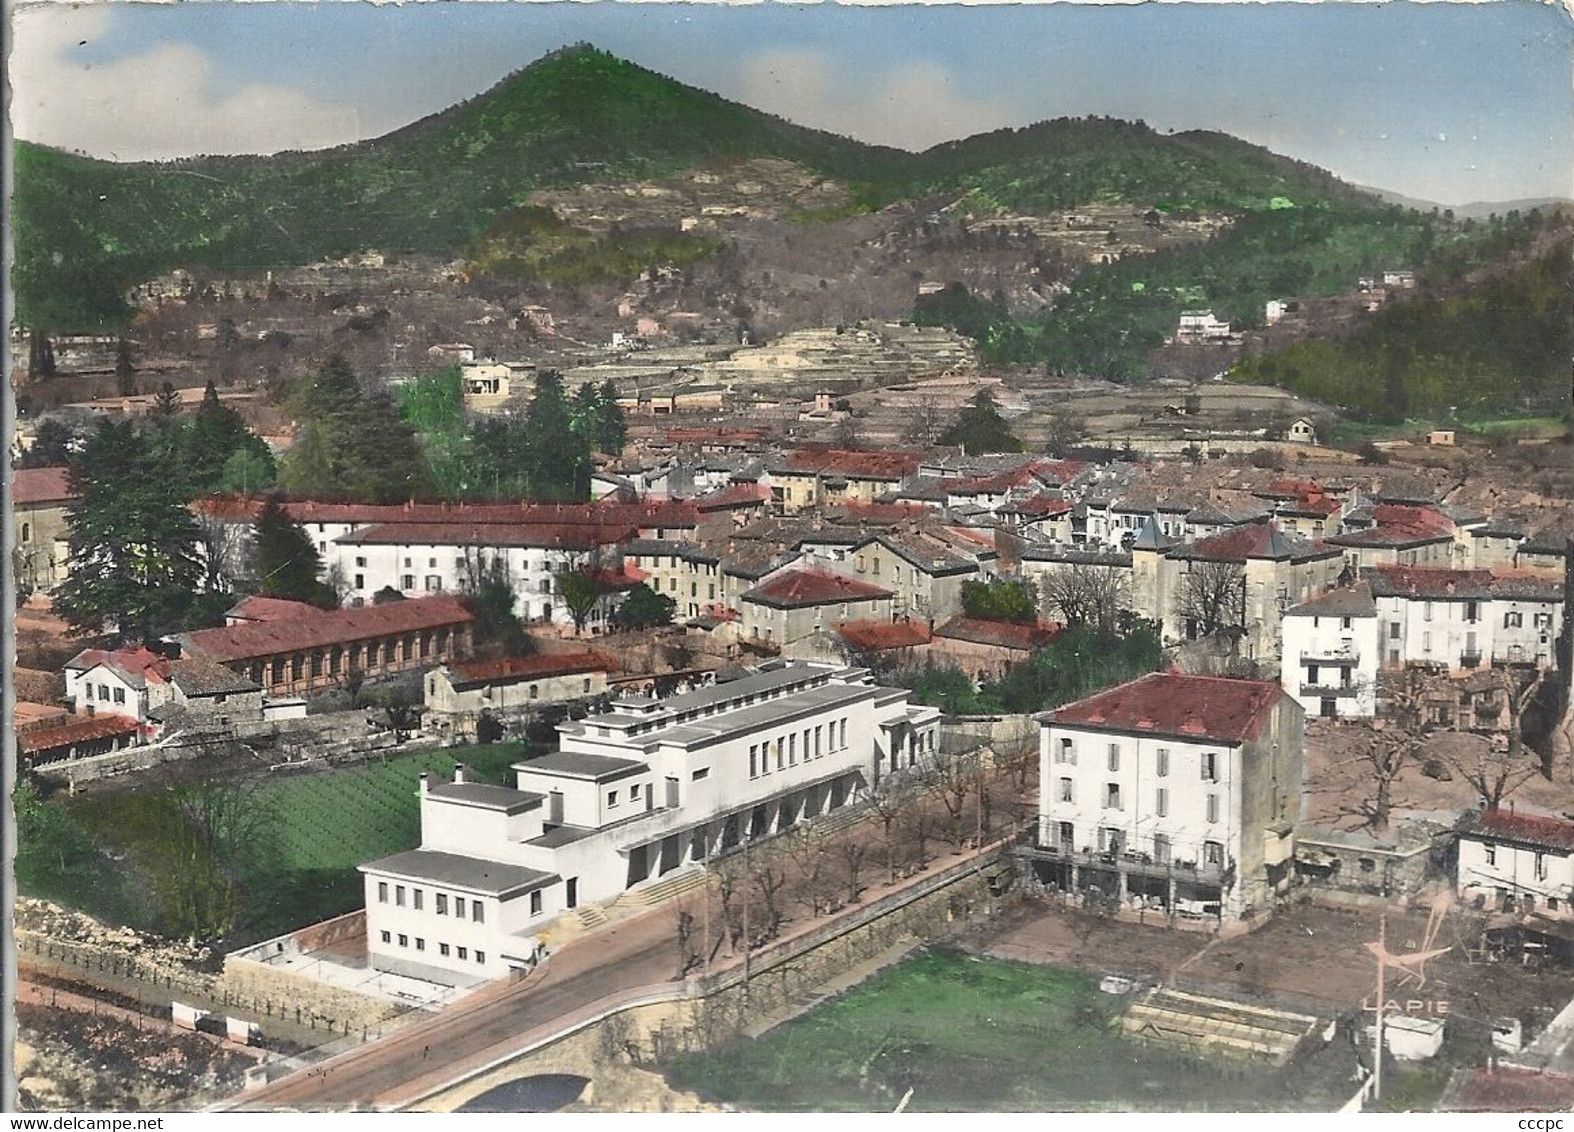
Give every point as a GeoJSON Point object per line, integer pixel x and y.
{"type": "Point", "coordinates": [633, 794]}
{"type": "Point", "coordinates": [100, 690]}
{"type": "Point", "coordinates": [1459, 633]}
{"type": "Point", "coordinates": [1329, 661]}
{"type": "Point", "coordinates": [1517, 861]}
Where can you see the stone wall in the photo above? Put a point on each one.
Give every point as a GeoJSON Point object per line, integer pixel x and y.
{"type": "Point", "coordinates": [272, 992]}
{"type": "Point", "coordinates": [658, 1023]}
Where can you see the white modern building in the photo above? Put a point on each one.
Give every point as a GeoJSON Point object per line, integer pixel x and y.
{"type": "Point", "coordinates": [634, 794]}
{"type": "Point", "coordinates": [1518, 862]}
{"type": "Point", "coordinates": [1172, 792]}
{"type": "Point", "coordinates": [1329, 662]}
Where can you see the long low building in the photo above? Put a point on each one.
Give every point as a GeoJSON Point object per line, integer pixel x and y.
{"type": "Point", "coordinates": [633, 794]}
{"type": "Point", "coordinates": [311, 654]}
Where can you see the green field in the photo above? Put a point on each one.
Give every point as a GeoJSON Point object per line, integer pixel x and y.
{"type": "Point", "coordinates": [294, 864]}
{"type": "Point", "coordinates": [985, 1035]}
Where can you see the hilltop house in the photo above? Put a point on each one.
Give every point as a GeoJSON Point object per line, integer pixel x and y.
{"type": "Point", "coordinates": [639, 792]}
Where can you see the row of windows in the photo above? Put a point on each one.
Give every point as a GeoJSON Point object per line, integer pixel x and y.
{"type": "Point", "coordinates": [104, 693]}
{"type": "Point", "coordinates": [442, 948]}
{"type": "Point", "coordinates": [1161, 799]}
{"type": "Point", "coordinates": [1208, 764]}
{"type": "Point", "coordinates": [1540, 865]}
{"type": "Point", "coordinates": [1113, 840]}
{"type": "Point", "coordinates": [784, 750]}
{"type": "Point", "coordinates": [634, 796]}
{"type": "Point", "coordinates": [440, 902]}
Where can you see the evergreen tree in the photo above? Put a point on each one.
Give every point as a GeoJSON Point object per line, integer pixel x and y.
{"type": "Point", "coordinates": [125, 371]}
{"type": "Point", "coordinates": [166, 403]}
{"type": "Point", "coordinates": [216, 435]}
{"type": "Point", "coordinates": [51, 447]}
{"type": "Point", "coordinates": [980, 428]}
{"type": "Point", "coordinates": [288, 565]}
{"type": "Point", "coordinates": [614, 422]}
{"type": "Point", "coordinates": [133, 542]}
{"type": "Point", "coordinates": [644, 608]}
{"type": "Point", "coordinates": [580, 592]}
{"type": "Point", "coordinates": [556, 457]}
{"type": "Point", "coordinates": [352, 446]}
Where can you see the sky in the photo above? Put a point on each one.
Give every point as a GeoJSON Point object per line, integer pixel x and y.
{"type": "Point", "coordinates": [1446, 102]}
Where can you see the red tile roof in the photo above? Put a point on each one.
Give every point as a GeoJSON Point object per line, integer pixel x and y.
{"type": "Point", "coordinates": [83, 730]}
{"type": "Point", "coordinates": [524, 667]}
{"type": "Point", "coordinates": [1001, 634]}
{"type": "Point", "coordinates": [733, 495]}
{"type": "Point", "coordinates": [139, 665]}
{"type": "Point", "coordinates": [1529, 829]}
{"type": "Point", "coordinates": [330, 627]}
{"type": "Point", "coordinates": [714, 435]}
{"type": "Point", "coordinates": [1187, 707]}
{"type": "Point", "coordinates": [1442, 584]}
{"type": "Point", "coordinates": [874, 636]}
{"type": "Point", "coordinates": [878, 512]}
{"type": "Point", "coordinates": [1040, 506]}
{"type": "Point", "coordinates": [40, 485]}
{"type": "Point", "coordinates": [853, 463]}
{"type": "Point", "coordinates": [565, 536]}
{"type": "Point", "coordinates": [260, 608]}
{"type": "Point", "coordinates": [795, 588]}
{"type": "Point", "coordinates": [644, 514]}
{"type": "Point", "coordinates": [1511, 1089]}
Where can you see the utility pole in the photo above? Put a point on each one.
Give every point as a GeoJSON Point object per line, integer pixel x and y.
{"type": "Point", "coordinates": [747, 942]}
{"type": "Point", "coordinates": [1382, 967]}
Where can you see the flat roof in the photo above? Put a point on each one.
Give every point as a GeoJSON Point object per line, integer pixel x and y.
{"type": "Point", "coordinates": [579, 764]}
{"type": "Point", "coordinates": [450, 870]}
{"type": "Point", "coordinates": [486, 796]}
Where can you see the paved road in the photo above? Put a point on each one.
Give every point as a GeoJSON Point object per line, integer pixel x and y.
{"type": "Point", "coordinates": [639, 952]}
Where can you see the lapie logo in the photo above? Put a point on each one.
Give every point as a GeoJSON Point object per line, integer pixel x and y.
{"type": "Point", "coordinates": [1420, 1006]}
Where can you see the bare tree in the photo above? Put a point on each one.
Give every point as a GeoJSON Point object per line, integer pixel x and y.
{"type": "Point", "coordinates": [229, 553]}
{"type": "Point", "coordinates": [890, 798]}
{"type": "Point", "coordinates": [769, 878]}
{"type": "Point", "coordinates": [805, 848]}
{"type": "Point", "coordinates": [1391, 743]}
{"type": "Point", "coordinates": [1495, 765]}
{"type": "Point", "coordinates": [925, 422]}
{"type": "Point", "coordinates": [1082, 593]}
{"type": "Point", "coordinates": [950, 779]}
{"type": "Point", "coordinates": [1212, 597]}
{"type": "Point", "coordinates": [852, 850]}
{"type": "Point", "coordinates": [683, 926]}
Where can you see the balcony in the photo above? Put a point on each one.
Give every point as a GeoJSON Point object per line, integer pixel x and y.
{"type": "Point", "coordinates": [1132, 863]}
{"type": "Point", "coordinates": [1470, 660]}
{"type": "Point", "coordinates": [1331, 691]}
{"type": "Point", "coordinates": [1334, 655]}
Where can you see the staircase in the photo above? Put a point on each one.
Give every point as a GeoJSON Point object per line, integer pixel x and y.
{"type": "Point", "coordinates": [591, 917]}
{"type": "Point", "coordinates": [666, 889]}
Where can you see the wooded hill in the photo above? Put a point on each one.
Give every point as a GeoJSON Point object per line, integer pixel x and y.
{"type": "Point", "coordinates": [87, 230]}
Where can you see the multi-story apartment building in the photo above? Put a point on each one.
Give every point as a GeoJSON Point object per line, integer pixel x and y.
{"type": "Point", "coordinates": [1459, 620]}
{"type": "Point", "coordinates": [633, 794]}
{"type": "Point", "coordinates": [1172, 791]}
{"type": "Point", "coordinates": [1331, 654]}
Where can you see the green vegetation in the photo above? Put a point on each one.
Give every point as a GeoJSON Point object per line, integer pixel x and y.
{"type": "Point", "coordinates": [532, 245]}
{"type": "Point", "coordinates": [968, 1034]}
{"type": "Point", "coordinates": [980, 428]}
{"type": "Point", "coordinates": [644, 608]}
{"type": "Point", "coordinates": [1000, 601]}
{"type": "Point", "coordinates": [1500, 346]}
{"type": "Point", "coordinates": [1080, 660]}
{"type": "Point", "coordinates": [133, 558]}
{"type": "Point", "coordinates": [352, 445]}
{"type": "Point", "coordinates": [233, 862]}
{"type": "Point", "coordinates": [288, 564]}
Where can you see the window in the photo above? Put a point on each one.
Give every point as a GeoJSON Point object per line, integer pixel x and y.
{"type": "Point", "coordinates": [1161, 849]}
{"type": "Point", "coordinates": [442, 904]}
{"type": "Point", "coordinates": [407, 581]}
{"type": "Point", "coordinates": [387, 937]}
{"type": "Point", "coordinates": [1065, 790]}
{"type": "Point", "coordinates": [634, 793]}
{"type": "Point", "coordinates": [1164, 762]}
{"type": "Point", "coordinates": [612, 799]}
{"type": "Point", "coordinates": [1426, 611]}
{"type": "Point", "coordinates": [535, 903]}
{"type": "Point", "coordinates": [1066, 754]}
{"type": "Point", "coordinates": [27, 532]}
{"type": "Point", "coordinates": [844, 733]}
{"type": "Point", "coordinates": [480, 957]}
{"type": "Point", "coordinates": [477, 912]}
{"type": "Point", "coordinates": [1112, 796]}
{"type": "Point", "coordinates": [1212, 853]}
{"type": "Point", "coordinates": [702, 772]}
{"type": "Point", "coordinates": [360, 581]}
{"type": "Point", "coordinates": [404, 940]}
{"type": "Point", "coordinates": [1541, 866]}
{"type": "Point", "coordinates": [1344, 622]}
{"type": "Point", "coordinates": [382, 892]}
{"type": "Point", "coordinates": [89, 688]}
{"type": "Point", "coordinates": [120, 696]}
{"type": "Point", "coordinates": [1210, 766]}
{"type": "Point", "coordinates": [1161, 802]}
{"type": "Point", "coordinates": [792, 750]}
{"type": "Point", "coordinates": [1512, 620]}
{"type": "Point", "coordinates": [416, 899]}
{"type": "Point", "coordinates": [754, 760]}
{"type": "Point", "coordinates": [420, 944]}
{"type": "Point", "coordinates": [399, 895]}
{"type": "Point", "coordinates": [434, 584]}
{"type": "Point", "coordinates": [817, 751]}
{"type": "Point", "coordinates": [442, 949]}
{"type": "Point", "coordinates": [1213, 808]}
{"type": "Point", "coordinates": [1426, 641]}
{"type": "Point", "coordinates": [1542, 620]}
{"type": "Point", "coordinates": [1393, 630]}
{"type": "Point", "coordinates": [459, 907]}
{"type": "Point", "coordinates": [1472, 611]}
{"type": "Point", "coordinates": [464, 953]}
{"type": "Point", "coordinates": [1491, 851]}
{"type": "Point", "coordinates": [1114, 757]}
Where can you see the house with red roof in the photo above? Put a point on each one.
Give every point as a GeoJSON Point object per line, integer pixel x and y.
{"type": "Point", "coordinates": [40, 498]}
{"type": "Point", "coordinates": [457, 693]}
{"type": "Point", "coordinates": [1174, 793]}
{"type": "Point", "coordinates": [1513, 861]}
{"type": "Point", "coordinates": [985, 649]}
{"type": "Point", "coordinates": [793, 602]}
{"type": "Point", "coordinates": [808, 477]}
{"type": "Point", "coordinates": [150, 687]}
{"type": "Point", "coordinates": [312, 654]}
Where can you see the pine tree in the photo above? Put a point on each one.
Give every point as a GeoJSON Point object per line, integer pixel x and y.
{"type": "Point", "coordinates": [557, 458]}
{"type": "Point", "coordinates": [980, 428]}
{"type": "Point", "coordinates": [215, 436]}
{"type": "Point", "coordinates": [287, 563]}
{"type": "Point", "coordinates": [133, 542]}
{"type": "Point", "coordinates": [166, 403]}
